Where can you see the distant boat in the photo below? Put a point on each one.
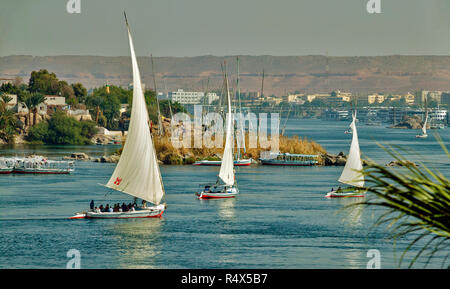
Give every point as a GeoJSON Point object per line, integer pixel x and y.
{"type": "Point", "coordinates": [424, 127]}
{"type": "Point", "coordinates": [41, 165]}
{"type": "Point", "coordinates": [351, 174]}
{"type": "Point", "coordinates": [137, 173]}
{"type": "Point", "coordinates": [287, 159]}
{"type": "Point", "coordinates": [6, 166]}
{"type": "Point", "coordinates": [225, 184]}
{"type": "Point", "coordinates": [238, 163]}
{"type": "Point", "coordinates": [238, 160]}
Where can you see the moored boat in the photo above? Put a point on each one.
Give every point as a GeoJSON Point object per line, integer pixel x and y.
{"type": "Point", "coordinates": [6, 166]}
{"type": "Point", "coordinates": [238, 163]}
{"type": "Point", "coordinates": [287, 159]}
{"type": "Point", "coordinates": [42, 166]}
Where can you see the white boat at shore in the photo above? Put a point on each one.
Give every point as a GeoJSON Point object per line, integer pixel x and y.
{"type": "Point", "coordinates": [351, 174]}
{"type": "Point", "coordinates": [137, 173]}
{"type": "Point", "coordinates": [6, 166]}
{"type": "Point", "coordinates": [238, 163]}
{"type": "Point", "coordinates": [41, 165]}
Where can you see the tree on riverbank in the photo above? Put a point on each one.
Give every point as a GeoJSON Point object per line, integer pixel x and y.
{"type": "Point", "coordinates": [8, 121]}
{"type": "Point", "coordinates": [62, 129]}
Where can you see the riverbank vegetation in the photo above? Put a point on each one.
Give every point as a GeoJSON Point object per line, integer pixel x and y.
{"type": "Point", "coordinates": [170, 155]}
{"type": "Point", "coordinates": [62, 129]}
{"type": "Point", "coordinates": [108, 105]}
{"type": "Point", "coordinates": [417, 200]}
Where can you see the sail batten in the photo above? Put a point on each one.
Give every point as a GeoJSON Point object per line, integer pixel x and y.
{"type": "Point", "coordinates": [351, 174]}
{"type": "Point", "coordinates": [137, 173]}
{"type": "Point", "coordinates": [226, 173]}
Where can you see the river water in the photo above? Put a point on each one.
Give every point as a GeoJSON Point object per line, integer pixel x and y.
{"type": "Point", "coordinates": [280, 219]}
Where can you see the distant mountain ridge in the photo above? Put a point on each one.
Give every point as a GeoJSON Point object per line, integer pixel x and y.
{"type": "Point", "coordinates": [283, 74]}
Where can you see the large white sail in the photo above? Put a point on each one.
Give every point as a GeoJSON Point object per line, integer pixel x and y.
{"type": "Point", "coordinates": [137, 172]}
{"type": "Point", "coordinates": [226, 173]}
{"type": "Point", "coordinates": [351, 175]}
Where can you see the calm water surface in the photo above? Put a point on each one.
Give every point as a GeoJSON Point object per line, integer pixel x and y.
{"type": "Point", "coordinates": [280, 220]}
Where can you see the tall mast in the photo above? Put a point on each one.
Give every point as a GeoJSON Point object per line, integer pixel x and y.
{"type": "Point", "coordinates": [160, 127]}
{"type": "Point", "coordinates": [238, 87]}
{"type": "Point", "coordinates": [262, 84]}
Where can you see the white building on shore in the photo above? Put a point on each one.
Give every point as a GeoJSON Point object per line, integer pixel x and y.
{"type": "Point", "coordinates": [191, 97]}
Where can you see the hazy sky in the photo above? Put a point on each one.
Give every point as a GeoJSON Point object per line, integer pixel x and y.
{"type": "Point", "coordinates": [225, 27]}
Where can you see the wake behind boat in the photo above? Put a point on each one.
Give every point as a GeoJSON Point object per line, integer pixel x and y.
{"type": "Point", "coordinates": [351, 174]}
{"type": "Point", "coordinates": [137, 173]}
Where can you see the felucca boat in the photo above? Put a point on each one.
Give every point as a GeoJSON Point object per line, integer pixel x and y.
{"type": "Point", "coordinates": [351, 174]}
{"type": "Point", "coordinates": [424, 127]}
{"type": "Point", "coordinates": [225, 184]}
{"type": "Point", "coordinates": [137, 173]}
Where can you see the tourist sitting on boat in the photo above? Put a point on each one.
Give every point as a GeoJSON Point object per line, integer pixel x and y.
{"type": "Point", "coordinates": [124, 208]}
{"type": "Point", "coordinates": [144, 204]}
{"type": "Point", "coordinates": [332, 189]}
{"type": "Point", "coordinates": [97, 210]}
{"type": "Point", "coordinates": [339, 189]}
{"type": "Point", "coordinates": [132, 209]}
{"type": "Point", "coordinates": [102, 209]}
{"type": "Point", "coordinates": [107, 208]}
{"type": "Point", "coordinates": [110, 209]}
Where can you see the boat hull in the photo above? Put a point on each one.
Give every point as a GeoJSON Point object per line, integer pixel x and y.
{"type": "Point", "coordinates": [229, 193]}
{"type": "Point", "coordinates": [42, 171]}
{"type": "Point", "coordinates": [237, 163]}
{"type": "Point", "coordinates": [4, 171]}
{"type": "Point", "coordinates": [422, 136]}
{"type": "Point", "coordinates": [287, 163]}
{"type": "Point", "coordinates": [344, 195]}
{"type": "Point", "coordinates": [153, 212]}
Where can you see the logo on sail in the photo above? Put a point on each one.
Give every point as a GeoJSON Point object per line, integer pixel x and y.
{"type": "Point", "coordinates": [118, 181]}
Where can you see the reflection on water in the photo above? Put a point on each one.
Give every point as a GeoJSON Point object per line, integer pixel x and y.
{"type": "Point", "coordinates": [351, 213]}
{"type": "Point", "coordinates": [353, 258]}
{"type": "Point", "coordinates": [138, 242]}
{"type": "Point", "coordinates": [226, 209]}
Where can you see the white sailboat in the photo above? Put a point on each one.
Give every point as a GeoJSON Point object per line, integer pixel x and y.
{"type": "Point", "coordinates": [137, 173]}
{"type": "Point", "coordinates": [424, 127]}
{"type": "Point", "coordinates": [351, 174]}
{"type": "Point", "coordinates": [225, 184]}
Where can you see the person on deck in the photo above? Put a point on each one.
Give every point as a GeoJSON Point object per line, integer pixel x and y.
{"type": "Point", "coordinates": [92, 205]}
{"type": "Point", "coordinates": [102, 209]}
{"type": "Point", "coordinates": [124, 207]}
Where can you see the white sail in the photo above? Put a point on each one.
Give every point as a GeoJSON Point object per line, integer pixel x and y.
{"type": "Point", "coordinates": [351, 175]}
{"type": "Point", "coordinates": [137, 172]}
{"type": "Point", "coordinates": [226, 173]}
{"type": "Point", "coordinates": [424, 128]}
